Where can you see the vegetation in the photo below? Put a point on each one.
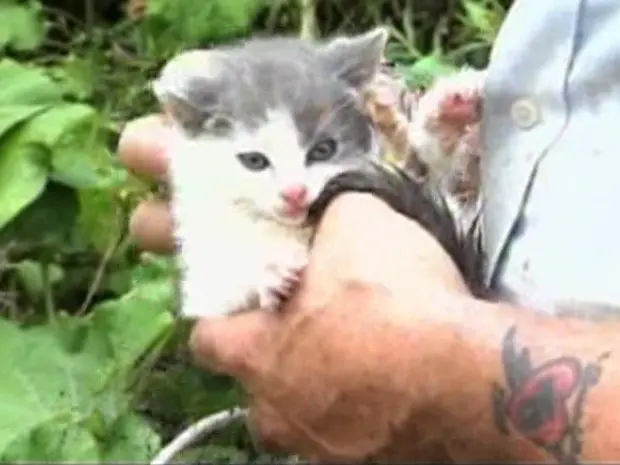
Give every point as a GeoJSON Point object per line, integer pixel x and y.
{"type": "Point", "coordinates": [95, 366]}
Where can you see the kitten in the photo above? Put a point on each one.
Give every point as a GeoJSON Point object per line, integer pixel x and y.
{"type": "Point", "coordinates": [443, 135]}
{"type": "Point", "coordinates": [391, 106]}
{"type": "Point", "coordinates": [433, 133]}
{"type": "Point", "coordinates": [261, 127]}
{"type": "Point", "coordinates": [432, 136]}
{"type": "Point", "coordinates": [435, 177]}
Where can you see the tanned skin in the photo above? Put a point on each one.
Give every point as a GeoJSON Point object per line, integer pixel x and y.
{"type": "Point", "coordinates": [528, 388]}
{"type": "Point", "coordinates": [383, 354]}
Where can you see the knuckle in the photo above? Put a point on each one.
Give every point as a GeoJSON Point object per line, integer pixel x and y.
{"type": "Point", "coordinates": [217, 353]}
{"type": "Point", "coordinates": [232, 358]}
{"type": "Point", "coordinates": [127, 139]}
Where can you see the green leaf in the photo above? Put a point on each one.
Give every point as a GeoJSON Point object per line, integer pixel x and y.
{"type": "Point", "coordinates": [30, 274]}
{"type": "Point", "coordinates": [62, 124]}
{"type": "Point", "coordinates": [53, 143]}
{"type": "Point", "coordinates": [130, 439]}
{"type": "Point", "coordinates": [196, 23]}
{"type": "Point", "coordinates": [23, 175]}
{"type": "Point", "coordinates": [99, 217]}
{"type": "Point", "coordinates": [12, 115]}
{"type": "Point", "coordinates": [74, 443]}
{"type": "Point", "coordinates": [73, 145]}
{"type": "Point", "coordinates": [76, 77]}
{"type": "Point", "coordinates": [425, 70]}
{"type": "Point", "coordinates": [21, 25]}
{"type": "Point", "coordinates": [26, 85]}
{"type": "Point", "coordinates": [55, 377]}
{"type": "Point", "coordinates": [485, 17]}
{"type": "Point", "coordinates": [72, 168]}
{"type": "Point", "coordinates": [183, 393]}
{"type": "Point", "coordinates": [124, 318]}
{"type": "Point", "coordinates": [25, 150]}
{"type": "Point", "coordinates": [46, 221]}
{"type": "Point", "coordinates": [477, 14]}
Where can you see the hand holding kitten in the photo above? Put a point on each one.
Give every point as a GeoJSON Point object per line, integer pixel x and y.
{"type": "Point", "coordinates": [142, 148]}
{"type": "Point", "coordinates": [352, 322]}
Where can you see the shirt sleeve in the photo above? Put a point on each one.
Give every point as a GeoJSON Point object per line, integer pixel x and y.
{"type": "Point", "coordinates": [551, 163]}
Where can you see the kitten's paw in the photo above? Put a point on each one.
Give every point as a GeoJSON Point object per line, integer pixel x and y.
{"type": "Point", "coordinates": [441, 130]}
{"type": "Point", "coordinates": [277, 284]}
{"type": "Point", "coordinates": [460, 108]}
{"type": "Point", "coordinates": [455, 99]}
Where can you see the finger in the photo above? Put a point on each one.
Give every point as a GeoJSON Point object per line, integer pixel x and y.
{"type": "Point", "coordinates": [152, 226]}
{"type": "Point", "coordinates": [268, 427]}
{"type": "Point", "coordinates": [385, 247]}
{"type": "Point", "coordinates": [142, 147]}
{"type": "Point", "coordinates": [233, 344]}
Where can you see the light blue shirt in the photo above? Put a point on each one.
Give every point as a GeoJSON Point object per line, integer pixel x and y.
{"type": "Point", "coordinates": [551, 138]}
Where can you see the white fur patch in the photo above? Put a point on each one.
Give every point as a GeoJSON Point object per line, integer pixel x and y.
{"type": "Point", "coordinates": [229, 231]}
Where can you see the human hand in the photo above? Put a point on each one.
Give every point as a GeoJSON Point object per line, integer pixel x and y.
{"type": "Point", "coordinates": [346, 365]}
{"type": "Point", "coordinates": [142, 148]}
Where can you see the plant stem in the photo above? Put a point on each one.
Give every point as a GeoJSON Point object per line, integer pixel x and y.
{"type": "Point", "coordinates": [99, 274]}
{"type": "Point", "coordinates": [308, 27]}
{"type": "Point", "coordinates": [48, 293]}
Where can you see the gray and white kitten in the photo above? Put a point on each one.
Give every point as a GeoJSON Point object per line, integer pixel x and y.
{"type": "Point", "coordinates": [261, 128]}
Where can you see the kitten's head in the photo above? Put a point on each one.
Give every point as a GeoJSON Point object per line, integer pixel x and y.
{"type": "Point", "coordinates": [279, 117]}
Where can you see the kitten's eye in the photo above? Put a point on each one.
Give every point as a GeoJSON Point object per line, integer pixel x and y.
{"type": "Point", "coordinates": [322, 151]}
{"type": "Point", "coordinates": [254, 161]}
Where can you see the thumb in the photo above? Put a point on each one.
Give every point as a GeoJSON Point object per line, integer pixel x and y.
{"type": "Point", "coordinates": [233, 344]}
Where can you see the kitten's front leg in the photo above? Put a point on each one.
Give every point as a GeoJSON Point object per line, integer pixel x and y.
{"type": "Point", "coordinates": [445, 115]}
{"type": "Point", "coordinates": [453, 100]}
{"type": "Point", "coordinates": [279, 278]}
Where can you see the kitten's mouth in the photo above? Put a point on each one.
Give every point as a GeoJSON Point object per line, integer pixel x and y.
{"type": "Point", "coordinates": [293, 213]}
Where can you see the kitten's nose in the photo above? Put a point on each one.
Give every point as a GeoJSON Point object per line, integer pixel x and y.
{"type": "Point", "coordinates": [294, 195]}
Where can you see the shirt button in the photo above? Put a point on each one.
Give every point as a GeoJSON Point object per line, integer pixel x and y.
{"type": "Point", "coordinates": [524, 113]}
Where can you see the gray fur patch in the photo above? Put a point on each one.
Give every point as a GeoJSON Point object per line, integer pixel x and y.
{"type": "Point", "coordinates": [318, 84]}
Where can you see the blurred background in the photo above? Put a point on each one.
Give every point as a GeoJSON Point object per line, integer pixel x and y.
{"type": "Point", "coordinates": [93, 366]}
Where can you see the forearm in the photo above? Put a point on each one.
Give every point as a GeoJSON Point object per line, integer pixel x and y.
{"type": "Point", "coordinates": [432, 369]}
{"type": "Point", "coordinates": [518, 386]}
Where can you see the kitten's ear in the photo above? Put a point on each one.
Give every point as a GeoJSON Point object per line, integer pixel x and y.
{"type": "Point", "coordinates": [181, 111]}
{"type": "Point", "coordinates": [356, 59]}
{"type": "Point", "coordinates": [189, 91]}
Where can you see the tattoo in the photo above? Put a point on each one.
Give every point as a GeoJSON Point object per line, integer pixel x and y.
{"type": "Point", "coordinates": [544, 404]}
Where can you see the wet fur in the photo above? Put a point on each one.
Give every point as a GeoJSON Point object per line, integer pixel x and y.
{"type": "Point", "coordinates": [423, 202]}
{"type": "Point", "coordinates": [433, 134]}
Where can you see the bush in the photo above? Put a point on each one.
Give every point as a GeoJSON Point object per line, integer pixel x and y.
{"type": "Point", "coordinates": [95, 364]}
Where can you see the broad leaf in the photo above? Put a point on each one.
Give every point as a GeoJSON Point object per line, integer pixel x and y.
{"type": "Point", "coordinates": [28, 136]}
{"type": "Point", "coordinates": [478, 15]}
{"type": "Point", "coordinates": [425, 70]}
{"type": "Point", "coordinates": [67, 372]}
{"type": "Point", "coordinates": [26, 85]}
{"type": "Point", "coordinates": [47, 220]}
{"type": "Point", "coordinates": [45, 145]}
{"type": "Point", "coordinates": [197, 23]}
{"type": "Point", "coordinates": [130, 440]}
{"type": "Point", "coordinates": [21, 25]}
{"type": "Point", "coordinates": [76, 76]}
{"type": "Point", "coordinates": [73, 134]}
{"type": "Point", "coordinates": [12, 115]}
{"type": "Point", "coordinates": [23, 175]}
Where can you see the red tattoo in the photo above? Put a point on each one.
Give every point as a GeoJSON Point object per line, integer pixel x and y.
{"type": "Point", "coordinates": [544, 403]}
